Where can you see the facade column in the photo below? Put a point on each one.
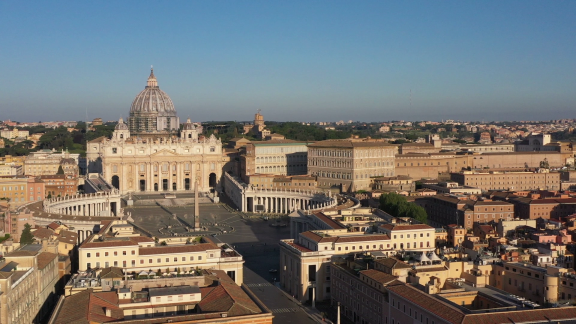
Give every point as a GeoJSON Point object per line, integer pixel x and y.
{"type": "Point", "coordinates": [147, 176]}
{"type": "Point", "coordinates": [179, 178]}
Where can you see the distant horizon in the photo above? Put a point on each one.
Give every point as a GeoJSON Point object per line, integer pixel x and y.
{"type": "Point", "coordinates": [104, 120]}
{"type": "Point", "coordinates": [296, 60]}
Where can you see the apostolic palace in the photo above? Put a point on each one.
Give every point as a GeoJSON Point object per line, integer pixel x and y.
{"type": "Point", "coordinates": [149, 155]}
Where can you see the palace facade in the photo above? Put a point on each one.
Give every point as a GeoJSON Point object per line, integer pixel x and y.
{"type": "Point", "coordinates": [137, 158]}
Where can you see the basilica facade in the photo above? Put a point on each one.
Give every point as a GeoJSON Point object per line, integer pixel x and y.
{"type": "Point", "coordinates": [148, 154]}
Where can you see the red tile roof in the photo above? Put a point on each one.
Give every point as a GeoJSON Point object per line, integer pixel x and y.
{"type": "Point", "coordinates": [43, 233]}
{"type": "Point", "coordinates": [429, 303]}
{"type": "Point", "coordinates": [378, 276]}
{"type": "Point", "coordinates": [318, 238]}
{"type": "Point", "coordinates": [44, 259]}
{"type": "Point", "coordinates": [406, 227]}
{"type": "Point", "coordinates": [363, 238]}
{"type": "Point", "coordinates": [548, 315]}
{"type": "Point", "coordinates": [329, 221]}
{"type": "Point", "coordinates": [178, 249]}
{"type": "Point", "coordinates": [299, 247]}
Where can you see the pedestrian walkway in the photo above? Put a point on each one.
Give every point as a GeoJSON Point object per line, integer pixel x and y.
{"type": "Point", "coordinates": [284, 310]}
{"type": "Point", "coordinates": [259, 284]}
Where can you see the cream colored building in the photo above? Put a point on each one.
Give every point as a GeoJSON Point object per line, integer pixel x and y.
{"type": "Point", "coordinates": [350, 163]}
{"type": "Point", "coordinates": [278, 157]}
{"type": "Point", "coordinates": [117, 245]}
{"type": "Point", "coordinates": [47, 162]}
{"type": "Point", "coordinates": [156, 161]}
{"type": "Point", "coordinates": [28, 277]}
{"type": "Point", "coordinates": [10, 169]}
{"type": "Point", "coordinates": [410, 237]}
{"type": "Point", "coordinates": [14, 133]}
{"type": "Point", "coordinates": [305, 261]}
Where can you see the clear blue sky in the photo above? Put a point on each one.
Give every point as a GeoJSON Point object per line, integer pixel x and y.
{"type": "Point", "coordinates": [295, 60]}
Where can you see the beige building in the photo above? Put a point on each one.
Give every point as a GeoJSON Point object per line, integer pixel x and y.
{"type": "Point", "coordinates": [514, 181]}
{"type": "Point", "coordinates": [14, 133]}
{"type": "Point", "coordinates": [11, 169]}
{"type": "Point", "coordinates": [47, 162]}
{"type": "Point", "coordinates": [277, 182]}
{"type": "Point", "coordinates": [117, 245]}
{"type": "Point", "coordinates": [21, 190]}
{"type": "Point", "coordinates": [277, 157]}
{"type": "Point", "coordinates": [208, 296]}
{"type": "Point", "coordinates": [350, 164]}
{"type": "Point", "coordinates": [305, 261]}
{"type": "Point", "coordinates": [28, 278]}
{"type": "Point", "coordinates": [396, 183]}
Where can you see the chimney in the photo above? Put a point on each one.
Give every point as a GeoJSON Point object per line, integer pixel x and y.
{"type": "Point", "coordinates": [108, 312]}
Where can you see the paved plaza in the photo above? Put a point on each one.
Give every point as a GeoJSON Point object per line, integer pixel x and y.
{"type": "Point", "coordinates": [254, 238]}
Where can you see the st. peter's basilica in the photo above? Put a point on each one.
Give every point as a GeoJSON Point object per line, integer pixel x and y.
{"type": "Point", "coordinates": [149, 155]}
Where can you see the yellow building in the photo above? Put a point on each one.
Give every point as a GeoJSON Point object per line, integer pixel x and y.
{"type": "Point", "coordinates": [350, 164]}
{"type": "Point", "coordinates": [117, 245]}
{"type": "Point", "coordinates": [28, 277]}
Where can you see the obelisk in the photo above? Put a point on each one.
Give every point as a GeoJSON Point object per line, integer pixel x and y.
{"type": "Point", "coordinates": [196, 207]}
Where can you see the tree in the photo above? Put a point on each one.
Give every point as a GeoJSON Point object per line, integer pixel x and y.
{"type": "Point", "coordinates": [26, 237]}
{"type": "Point", "coordinates": [60, 170]}
{"type": "Point", "coordinates": [397, 205]}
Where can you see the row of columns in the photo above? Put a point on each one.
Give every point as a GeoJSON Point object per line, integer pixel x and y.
{"type": "Point", "coordinates": [281, 205]}
{"type": "Point", "coordinates": [151, 177]}
{"type": "Point", "coordinates": [91, 209]}
{"type": "Point", "coordinates": [87, 209]}
{"type": "Point", "coordinates": [83, 234]}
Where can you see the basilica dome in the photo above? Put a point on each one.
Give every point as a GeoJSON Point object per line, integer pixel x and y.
{"type": "Point", "coordinates": [153, 100]}
{"type": "Point", "coordinates": [152, 112]}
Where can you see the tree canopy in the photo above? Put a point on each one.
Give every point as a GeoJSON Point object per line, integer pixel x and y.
{"type": "Point", "coordinates": [397, 205]}
{"type": "Point", "coordinates": [26, 237]}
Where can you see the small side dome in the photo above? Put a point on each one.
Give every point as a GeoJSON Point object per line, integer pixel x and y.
{"type": "Point", "coordinates": [188, 125]}
{"type": "Point", "coordinates": [121, 125]}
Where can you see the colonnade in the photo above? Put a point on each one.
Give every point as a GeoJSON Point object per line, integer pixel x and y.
{"type": "Point", "coordinates": [282, 201]}
{"type": "Point", "coordinates": [83, 234]}
{"type": "Point", "coordinates": [281, 205]}
{"type": "Point", "coordinates": [93, 204]}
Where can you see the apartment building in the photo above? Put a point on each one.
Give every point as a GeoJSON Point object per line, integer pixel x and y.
{"type": "Point", "coordinates": [429, 165]}
{"type": "Point", "coordinates": [362, 295]}
{"type": "Point", "coordinates": [209, 296]}
{"type": "Point", "coordinates": [410, 237]}
{"type": "Point", "coordinates": [28, 277]}
{"type": "Point", "coordinates": [277, 157]}
{"type": "Point", "coordinates": [117, 245]}
{"type": "Point", "coordinates": [305, 261]}
{"type": "Point", "coordinates": [11, 169]}
{"type": "Point", "coordinates": [534, 208]}
{"type": "Point", "coordinates": [508, 180]}
{"type": "Point", "coordinates": [502, 292]}
{"type": "Point", "coordinates": [350, 164]}
{"type": "Point", "coordinates": [445, 210]}
{"type": "Point", "coordinates": [47, 162]}
{"type": "Point", "coordinates": [14, 133]}
{"type": "Point", "coordinates": [59, 185]}
{"type": "Point", "coordinates": [20, 190]}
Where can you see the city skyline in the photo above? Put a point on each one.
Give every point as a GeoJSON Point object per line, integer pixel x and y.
{"type": "Point", "coordinates": [295, 61]}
